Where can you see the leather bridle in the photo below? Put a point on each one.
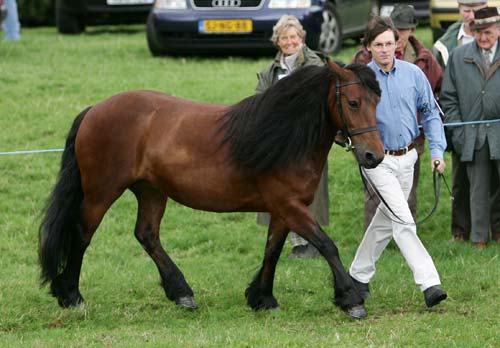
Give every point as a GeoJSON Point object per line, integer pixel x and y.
{"type": "Point", "coordinates": [346, 132]}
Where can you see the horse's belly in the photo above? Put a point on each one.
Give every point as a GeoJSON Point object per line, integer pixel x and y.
{"type": "Point", "coordinates": [214, 193]}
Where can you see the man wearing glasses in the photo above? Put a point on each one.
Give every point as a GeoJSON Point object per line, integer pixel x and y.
{"type": "Point", "coordinates": [410, 49]}
{"type": "Point", "coordinates": [405, 92]}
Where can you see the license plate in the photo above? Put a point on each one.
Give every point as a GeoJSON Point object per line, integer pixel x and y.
{"type": "Point", "coordinates": [129, 2]}
{"type": "Point", "coordinates": [209, 26]}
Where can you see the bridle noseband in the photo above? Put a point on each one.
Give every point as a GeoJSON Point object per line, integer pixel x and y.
{"type": "Point", "coordinates": [345, 129]}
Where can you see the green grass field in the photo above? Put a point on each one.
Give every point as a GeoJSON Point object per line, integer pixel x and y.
{"type": "Point", "coordinates": [47, 79]}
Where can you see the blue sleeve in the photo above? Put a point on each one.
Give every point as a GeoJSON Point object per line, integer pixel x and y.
{"type": "Point", "coordinates": [431, 118]}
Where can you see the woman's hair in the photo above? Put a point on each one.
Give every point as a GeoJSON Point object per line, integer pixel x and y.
{"type": "Point", "coordinates": [377, 26]}
{"type": "Point", "coordinates": [286, 22]}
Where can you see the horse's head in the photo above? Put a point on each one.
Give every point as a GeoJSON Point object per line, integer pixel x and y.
{"type": "Point", "coordinates": [352, 102]}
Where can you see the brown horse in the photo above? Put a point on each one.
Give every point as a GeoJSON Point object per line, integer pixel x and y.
{"type": "Point", "coordinates": [265, 153]}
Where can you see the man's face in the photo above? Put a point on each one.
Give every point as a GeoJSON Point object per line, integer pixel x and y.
{"type": "Point", "coordinates": [487, 37]}
{"type": "Point", "coordinates": [467, 12]}
{"type": "Point", "coordinates": [404, 35]}
{"type": "Point", "coordinates": [383, 49]}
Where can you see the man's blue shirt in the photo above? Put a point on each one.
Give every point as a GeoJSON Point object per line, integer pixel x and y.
{"type": "Point", "coordinates": [405, 91]}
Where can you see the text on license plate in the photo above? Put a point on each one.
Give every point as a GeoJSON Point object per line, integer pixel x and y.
{"type": "Point", "coordinates": [225, 26]}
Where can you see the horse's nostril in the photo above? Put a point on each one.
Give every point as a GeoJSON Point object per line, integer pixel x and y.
{"type": "Point", "coordinates": [371, 160]}
{"type": "Point", "coordinates": [369, 157]}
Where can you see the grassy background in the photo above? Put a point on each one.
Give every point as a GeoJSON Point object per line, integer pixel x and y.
{"type": "Point", "coordinates": [47, 79]}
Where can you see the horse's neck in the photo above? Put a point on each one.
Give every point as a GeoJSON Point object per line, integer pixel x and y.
{"type": "Point", "coordinates": [320, 155]}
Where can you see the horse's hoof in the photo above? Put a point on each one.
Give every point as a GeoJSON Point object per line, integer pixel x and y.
{"type": "Point", "coordinates": [73, 300]}
{"type": "Point", "coordinates": [186, 302]}
{"type": "Point", "coordinates": [357, 312]}
{"type": "Point", "coordinates": [267, 303]}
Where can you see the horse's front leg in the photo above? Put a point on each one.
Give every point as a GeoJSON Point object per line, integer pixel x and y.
{"type": "Point", "coordinates": [259, 293]}
{"type": "Point", "coordinates": [345, 296]}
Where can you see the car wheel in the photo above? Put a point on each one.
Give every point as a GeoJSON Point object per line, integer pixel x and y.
{"type": "Point", "coordinates": [67, 22]}
{"type": "Point", "coordinates": [155, 50]}
{"type": "Point", "coordinates": [330, 39]}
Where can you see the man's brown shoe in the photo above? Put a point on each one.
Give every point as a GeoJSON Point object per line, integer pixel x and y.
{"type": "Point", "coordinates": [458, 238]}
{"type": "Point", "coordinates": [479, 245]}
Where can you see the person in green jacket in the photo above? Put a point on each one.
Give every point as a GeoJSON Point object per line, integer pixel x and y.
{"type": "Point", "coordinates": [289, 37]}
{"type": "Point", "coordinates": [459, 34]}
{"type": "Point", "coordinates": [470, 93]}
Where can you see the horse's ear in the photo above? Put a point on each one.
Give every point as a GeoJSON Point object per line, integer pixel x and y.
{"type": "Point", "coordinates": [337, 69]}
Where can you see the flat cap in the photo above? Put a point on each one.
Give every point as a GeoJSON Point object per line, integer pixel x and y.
{"type": "Point", "coordinates": [471, 2]}
{"type": "Point", "coordinates": [485, 17]}
{"type": "Point", "coordinates": [404, 16]}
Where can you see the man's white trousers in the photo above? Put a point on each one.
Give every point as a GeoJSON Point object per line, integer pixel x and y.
{"type": "Point", "coordinates": [393, 178]}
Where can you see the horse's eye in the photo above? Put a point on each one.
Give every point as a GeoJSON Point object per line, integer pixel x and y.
{"type": "Point", "coordinates": [353, 104]}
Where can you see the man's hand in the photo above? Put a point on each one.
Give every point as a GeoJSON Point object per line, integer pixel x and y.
{"type": "Point", "coordinates": [438, 164]}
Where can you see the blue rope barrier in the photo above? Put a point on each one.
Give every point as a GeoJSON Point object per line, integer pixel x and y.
{"type": "Point", "coordinates": [451, 124]}
{"type": "Point", "coordinates": [29, 151]}
{"type": "Point", "coordinates": [455, 124]}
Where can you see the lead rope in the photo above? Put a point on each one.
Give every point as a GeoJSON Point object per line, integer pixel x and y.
{"type": "Point", "coordinates": [437, 180]}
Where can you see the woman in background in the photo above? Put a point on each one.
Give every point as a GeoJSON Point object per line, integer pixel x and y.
{"type": "Point", "coordinates": [288, 36]}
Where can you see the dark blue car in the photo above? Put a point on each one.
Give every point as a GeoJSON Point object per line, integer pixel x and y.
{"type": "Point", "coordinates": [245, 26]}
{"type": "Point", "coordinates": [72, 16]}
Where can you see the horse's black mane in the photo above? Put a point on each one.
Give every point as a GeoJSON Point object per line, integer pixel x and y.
{"type": "Point", "coordinates": [366, 76]}
{"type": "Point", "coordinates": [286, 122]}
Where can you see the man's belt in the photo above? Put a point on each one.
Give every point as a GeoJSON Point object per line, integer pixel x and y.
{"type": "Point", "coordinates": [400, 152]}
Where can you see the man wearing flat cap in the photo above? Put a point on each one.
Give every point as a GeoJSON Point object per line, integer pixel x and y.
{"type": "Point", "coordinates": [460, 33]}
{"type": "Point", "coordinates": [408, 48]}
{"type": "Point", "coordinates": [471, 93]}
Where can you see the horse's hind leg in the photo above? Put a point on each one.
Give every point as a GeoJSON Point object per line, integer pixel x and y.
{"type": "Point", "coordinates": [151, 208]}
{"type": "Point", "coordinates": [66, 285]}
{"type": "Point", "coordinates": [259, 293]}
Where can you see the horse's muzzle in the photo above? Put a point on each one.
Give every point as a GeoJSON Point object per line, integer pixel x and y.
{"type": "Point", "coordinates": [370, 160]}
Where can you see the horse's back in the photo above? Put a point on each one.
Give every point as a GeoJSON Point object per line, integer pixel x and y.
{"type": "Point", "coordinates": [130, 118]}
{"type": "Point", "coordinates": [129, 121]}
{"type": "Point", "coordinates": [169, 142]}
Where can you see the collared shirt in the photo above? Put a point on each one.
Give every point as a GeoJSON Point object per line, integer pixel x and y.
{"type": "Point", "coordinates": [493, 50]}
{"type": "Point", "coordinates": [289, 63]}
{"type": "Point", "coordinates": [464, 38]}
{"type": "Point", "coordinates": [406, 90]}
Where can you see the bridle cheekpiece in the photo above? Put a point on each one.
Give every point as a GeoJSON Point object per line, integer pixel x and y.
{"type": "Point", "coordinates": [345, 132]}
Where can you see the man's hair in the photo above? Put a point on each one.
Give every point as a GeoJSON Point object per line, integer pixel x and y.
{"type": "Point", "coordinates": [284, 23]}
{"type": "Point", "coordinates": [377, 26]}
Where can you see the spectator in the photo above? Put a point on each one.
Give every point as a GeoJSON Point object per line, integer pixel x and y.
{"type": "Point", "coordinates": [459, 34]}
{"type": "Point", "coordinates": [405, 91]}
{"type": "Point", "coordinates": [409, 49]}
{"type": "Point", "coordinates": [470, 93]}
{"type": "Point", "coordinates": [288, 36]}
{"type": "Point", "coordinates": [11, 25]}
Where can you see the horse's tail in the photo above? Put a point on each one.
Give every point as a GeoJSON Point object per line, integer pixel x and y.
{"type": "Point", "coordinates": [62, 211]}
